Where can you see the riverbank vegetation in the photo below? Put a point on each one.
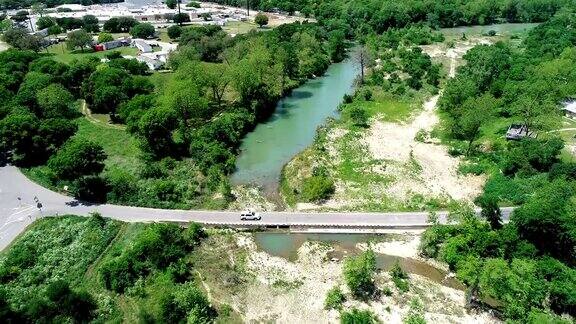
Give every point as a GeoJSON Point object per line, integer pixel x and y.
{"type": "Point", "coordinates": [93, 269]}
{"type": "Point", "coordinates": [526, 265]}
{"type": "Point", "coordinates": [188, 125]}
{"type": "Point", "coordinates": [366, 16]}
{"type": "Point", "coordinates": [400, 78]}
{"type": "Point", "coordinates": [71, 268]}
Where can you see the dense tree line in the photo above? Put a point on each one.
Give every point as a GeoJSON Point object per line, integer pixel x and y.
{"type": "Point", "coordinates": [527, 265]}
{"type": "Point", "coordinates": [17, 4]}
{"type": "Point", "coordinates": [221, 88]}
{"type": "Point", "coordinates": [39, 107]}
{"type": "Point", "coordinates": [378, 16]}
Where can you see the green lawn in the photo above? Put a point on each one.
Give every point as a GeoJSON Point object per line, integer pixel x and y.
{"type": "Point", "coordinates": [239, 27]}
{"type": "Point", "coordinates": [62, 54]}
{"type": "Point", "coordinates": [160, 80]}
{"type": "Point", "coordinates": [122, 148]}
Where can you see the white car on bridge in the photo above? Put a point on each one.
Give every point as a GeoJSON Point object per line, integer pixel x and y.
{"type": "Point", "coordinates": [250, 215]}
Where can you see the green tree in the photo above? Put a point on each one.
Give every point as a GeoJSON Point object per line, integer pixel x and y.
{"type": "Point", "coordinates": [217, 78]}
{"type": "Point", "coordinates": [20, 39]}
{"type": "Point", "coordinates": [490, 210]}
{"type": "Point", "coordinates": [155, 129]}
{"type": "Point", "coordinates": [45, 22]}
{"type": "Point", "coordinates": [476, 113]}
{"type": "Point", "coordinates": [186, 99]}
{"type": "Point", "coordinates": [261, 19]}
{"type": "Point", "coordinates": [78, 39]}
{"type": "Point", "coordinates": [56, 102]}
{"type": "Point", "coordinates": [547, 221]}
{"type": "Point", "coordinates": [143, 30]}
{"type": "Point", "coordinates": [32, 84]}
{"type": "Point", "coordinates": [337, 45]}
{"type": "Point", "coordinates": [90, 24]}
{"type": "Point", "coordinates": [174, 31]}
{"type": "Point", "coordinates": [105, 37]}
{"type": "Point", "coordinates": [171, 3]}
{"type": "Point", "coordinates": [359, 274]}
{"type": "Point", "coordinates": [77, 158]}
{"type": "Point", "coordinates": [17, 135]}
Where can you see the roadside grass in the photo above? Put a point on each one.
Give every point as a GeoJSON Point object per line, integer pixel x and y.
{"type": "Point", "coordinates": [122, 149]}
{"type": "Point", "coordinates": [62, 54]}
{"type": "Point", "coordinates": [42, 175]}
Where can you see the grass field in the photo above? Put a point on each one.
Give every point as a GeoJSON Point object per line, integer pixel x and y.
{"type": "Point", "coordinates": [239, 27]}
{"type": "Point", "coordinates": [122, 149]}
{"type": "Point", "coordinates": [385, 107]}
{"type": "Point", "coordinates": [62, 54]}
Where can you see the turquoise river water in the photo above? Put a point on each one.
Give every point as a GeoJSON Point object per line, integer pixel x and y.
{"type": "Point", "coordinates": [292, 127]}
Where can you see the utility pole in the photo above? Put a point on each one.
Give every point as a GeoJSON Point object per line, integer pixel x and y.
{"type": "Point", "coordinates": [179, 13]}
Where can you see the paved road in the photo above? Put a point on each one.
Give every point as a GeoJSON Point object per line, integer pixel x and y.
{"type": "Point", "coordinates": [18, 209]}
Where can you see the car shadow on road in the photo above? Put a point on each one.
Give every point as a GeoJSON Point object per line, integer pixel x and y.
{"type": "Point", "coordinates": [76, 203]}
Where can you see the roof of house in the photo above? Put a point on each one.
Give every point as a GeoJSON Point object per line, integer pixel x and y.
{"type": "Point", "coordinates": [519, 131]}
{"type": "Point", "coordinates": [570, 107]}
{"type": "Point", "coordinates": [142, 45]}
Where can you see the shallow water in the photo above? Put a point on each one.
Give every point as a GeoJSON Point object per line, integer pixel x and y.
{"type": "Point", "coordinates": [292, 127]}
{"type": "Point", "coordinates": [286, 245]}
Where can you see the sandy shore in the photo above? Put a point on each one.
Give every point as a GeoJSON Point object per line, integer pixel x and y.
{"type": "Point", "coordinates": [294, 292]}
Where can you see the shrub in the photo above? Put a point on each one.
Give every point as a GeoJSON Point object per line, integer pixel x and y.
{"type": "Point", "coordinates": [472, 168]}
{"type": "Point", "coordinates": [156, 248]}
{"type": "Point", "coordinates": [174, 31]}
{"type": "Point", "coordinates": [317, 188]}
{"type": "Point", "coordinates": [356, 316]}
{"type": "Point", "coordinates": [566, 170]}
{"type": "Point", "coordinates": [366, 94]}
{"type": "Point", "coordinates": [334, 298]}
{"type": "Point", "coordinates": [359, 274]}
{"type": "Point", "coordinates": [91, 188]}
{"type": "Point", "coordinates": [421, 136]}
{"type": "Point", "coordinates": [399, 277]}
{"type": "Point", "coordinates": [358, 115]}
{"type": "Point", "coordinates": [261, 19]}
{"type": "Point", "coordinates": [348, 99]}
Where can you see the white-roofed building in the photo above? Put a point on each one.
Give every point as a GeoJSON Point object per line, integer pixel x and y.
{"type": "Point", "coordinates": [569, 109]}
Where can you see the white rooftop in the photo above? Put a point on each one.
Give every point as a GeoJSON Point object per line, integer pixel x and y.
{"type": "Point", "coordinates": [570, 106]}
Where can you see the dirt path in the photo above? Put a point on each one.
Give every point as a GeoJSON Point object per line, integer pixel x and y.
{"type": "Point", "coordinates": [88, 114]}
{"type": "Point", "coordinates": [426, 167]}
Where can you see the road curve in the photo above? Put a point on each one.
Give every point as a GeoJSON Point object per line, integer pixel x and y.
{"type": "Point", "coordinates": [18, 209]}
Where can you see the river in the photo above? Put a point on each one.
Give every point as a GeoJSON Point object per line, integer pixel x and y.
{"type": "Point", "coordinates": [286, 245]}
{"type": "Point", "coordinates": [292, 127]}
